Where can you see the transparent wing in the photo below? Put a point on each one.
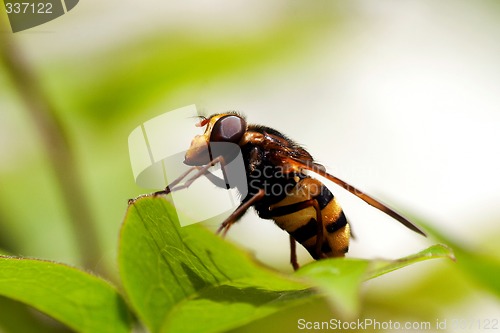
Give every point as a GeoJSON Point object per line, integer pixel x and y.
{"type": "Point", "coordinates": [320, 170]}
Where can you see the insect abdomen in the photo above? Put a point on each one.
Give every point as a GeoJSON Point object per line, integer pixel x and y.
{"type": "Point", "coordinates": [302, 223]}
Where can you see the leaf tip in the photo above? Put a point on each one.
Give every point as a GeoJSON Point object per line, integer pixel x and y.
{"type": "Point", "coordinates": [442, 250]}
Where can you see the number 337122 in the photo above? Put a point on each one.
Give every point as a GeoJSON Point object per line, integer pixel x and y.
{"type": "Point", "coordinates": [28, 8]}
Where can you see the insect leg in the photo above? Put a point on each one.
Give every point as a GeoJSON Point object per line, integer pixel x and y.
{"type": "Point", "coordinates": [178, 180]}
{"type": "Point", "coordinates": [292, 208]}
{"type": "Point", "coordinates": [239, 212]}
{"type": "Point", "coordinates": [319, 236]}
{"type": "Point", "coordinates": [201, 172]}
{"type": "Point", "coordinates": [293, 253]}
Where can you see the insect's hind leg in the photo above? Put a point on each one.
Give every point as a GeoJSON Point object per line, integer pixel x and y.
{"type": "Point", "coordinates": [293, 253]}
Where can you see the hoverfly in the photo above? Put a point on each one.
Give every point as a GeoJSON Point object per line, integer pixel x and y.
{"type": "Point", "coordinates": [305, 208]}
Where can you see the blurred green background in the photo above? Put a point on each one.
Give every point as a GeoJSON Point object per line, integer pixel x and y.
{"type": "Point", "coordinates": [401, 98]}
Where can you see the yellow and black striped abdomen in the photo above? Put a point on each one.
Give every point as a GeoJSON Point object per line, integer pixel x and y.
{"type": "Point", "coordinates": [301, 223]}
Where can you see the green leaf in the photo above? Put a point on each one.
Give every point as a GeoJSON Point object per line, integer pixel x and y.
{"type": "Point", "coordinates": [190, 280]}
{"type": "Point", "coordinates": [484, 268]}
{"type": "Point", "coordinates": [340, 279]}
{"type": "Point", "coordinates": [19, 317]}
{"type": "Point", "coordinates": [187, 279]}
{"type": "Point", "coordinates": [380, 267]}
{"type": "Point", "coordinates": [82, 301]}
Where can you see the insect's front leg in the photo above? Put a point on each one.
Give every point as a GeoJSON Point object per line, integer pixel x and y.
{"type": "Point", "coordinates": [202, 171]}
{"type": "Point", "coordinates": [173, 186]}
{"type": "Point", "coordinates": [168, 188]}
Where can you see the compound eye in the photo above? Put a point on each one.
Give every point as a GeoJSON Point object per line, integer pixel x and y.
{"type": "Point", "coordinates": [228, 129]}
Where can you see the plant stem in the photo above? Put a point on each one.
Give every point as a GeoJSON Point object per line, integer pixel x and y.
{"type": "Point", "coordinates": [54, 139]}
